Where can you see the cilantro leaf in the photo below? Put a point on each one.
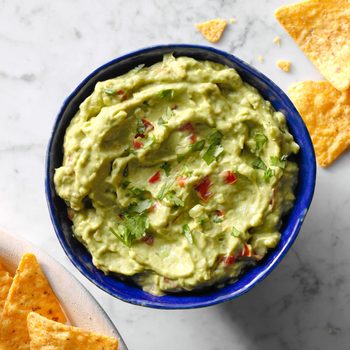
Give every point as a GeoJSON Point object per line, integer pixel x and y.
{"type": "Point", "coordinates": [259, 164]}
{"type": "Point", "coordinates": [109, 92]}
{"type": "Point", "coordinates": [140, 127]}
{"type": "Point", "coordinates": [235, 232]}
{"type": "Point", "coordinates": [278, 162]}
{"type": "Point", "coordinates": [268, 174]}
{"type": "Point", "coordinates": [187, 233]}
{"type": "Point", "coordinates": [166, 167]}
{"type": "Point", "coordinates": [173, 199]}
{"type": "Point", "coordinates": [132, 228]}
{"type": "Point", "coordinates": [198, 146]}
{"type": "Point", "coordinates": [260, 140]}
{"type": "Point", "coordinates": [125, 184]}
{"type": "Point", "coordinates": [141, 206]}
{"type": "Point", "coordinates": [212, 153]}
{"type": "Point", "coordinates": [167, 93]}
{"type": "Point", "coordinates": [215, 138]}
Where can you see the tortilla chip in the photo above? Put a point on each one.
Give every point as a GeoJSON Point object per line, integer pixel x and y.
{"type": "Point", "coordinates": [326, 113]}
{"type": "Point", "coordinates": [212, 30]}
{"type": "Point", "coordinates": [49, 335]}
{"type": "Point", "coordinates": [5, 284]}
{"type": "Point", "coordinates": [30, 291]}
{"type": "Point", "coordinates": [322, 30]}
{"type": "Point", "coordinates": [284, 65]}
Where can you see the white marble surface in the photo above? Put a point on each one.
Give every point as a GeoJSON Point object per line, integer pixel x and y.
{"type": "Point", "coordinates": [47, 47]}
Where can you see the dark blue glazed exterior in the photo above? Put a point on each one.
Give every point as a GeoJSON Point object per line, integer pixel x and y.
{"type": "Point", "coordinates": [129, 292]}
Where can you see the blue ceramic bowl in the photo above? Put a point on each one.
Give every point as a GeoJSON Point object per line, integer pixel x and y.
{"type": "Point", "coordinates": [129, 292]}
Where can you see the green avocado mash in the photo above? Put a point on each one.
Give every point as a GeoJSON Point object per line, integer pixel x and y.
{"type": "Point", "coordinates": [177, 175]}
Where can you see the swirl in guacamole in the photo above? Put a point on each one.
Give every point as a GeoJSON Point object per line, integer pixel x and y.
{"type": "Point", "coordinates": [177, 175]}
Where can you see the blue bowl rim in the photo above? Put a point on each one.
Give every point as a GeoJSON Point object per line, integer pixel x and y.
{"type": "Point", "coordinates": [283, 250]}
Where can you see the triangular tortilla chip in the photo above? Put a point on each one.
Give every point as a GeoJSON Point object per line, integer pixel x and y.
{"type": "Point", "coordinates": [5, 284]}
{"type": "Point", "coordinates": [49, 335]}
{"type": "Point", "coordinates": [326, 113]}
{"type": "Point", "coordinates": [212, 30]}
{"type": "Point", "coordinates": [321, 28]}
{"type": "Point", "coordinates": [30, 291]}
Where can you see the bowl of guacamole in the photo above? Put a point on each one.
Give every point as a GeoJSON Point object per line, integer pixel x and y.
{"type": "Point", "coordinates": [178, 176]}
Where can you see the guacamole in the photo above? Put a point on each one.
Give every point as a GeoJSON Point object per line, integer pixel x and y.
{"type": "Point", "coordinates": [177, 175]}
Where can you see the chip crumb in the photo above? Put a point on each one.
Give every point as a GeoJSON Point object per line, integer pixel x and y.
{"type": "Point", "coordinates": [277, 41]}
{"type": "Point", "coordinates": [261, 58]}
{"type": "Point", "coordinates": [212, 30]}
{"type": "Point", "coordinates": [233, 20]}
{"type": "Point", "coordinates": [284, 65]}
{"type": "Point", "coordinates": [326, 113]}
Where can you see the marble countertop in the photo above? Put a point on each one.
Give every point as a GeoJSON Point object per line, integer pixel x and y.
{"type": "Point", "coordinates": [48, 47]}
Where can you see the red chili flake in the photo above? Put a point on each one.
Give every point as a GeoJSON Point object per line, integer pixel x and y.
{"type": "Point", "coordinates": [137, 144]}
{"type": "Point", "coordinates": [122, 94]}
{"type": "Point", "coordinates": [229, 260]}
{"type": "Point", "coordinates": [202, 188]}
{"type": "Point", "coordinates": [219, 212]}
{"type": "Point", "coordinates": [148, 239]}
{"type": "Point", "coordinates": [230, 177]}
{"type": "Point", "coordinates": [187, 127]}
{"type": "Point", "coordinates": [152, 208]}
{"type": "Point", "coordinates": [181, 181]}
{"type": "Point", "coordinates": [154, 178]}
{"type": "Point", "coordinates": [245, 251]}
{"type": "Point", "coordinates": [148, 125]}
{"type": "Point", "coordinates": [193, 138]}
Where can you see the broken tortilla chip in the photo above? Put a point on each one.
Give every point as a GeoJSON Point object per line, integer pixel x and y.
{"type": "Point", "coordinates": [322, 30]}
{"type": "Point", "coordinates": [5, 284]}
{"type": "Point", "coordinates": [49, 335]}
{"type": "Point", "coordinates": [284, 65]}
{"type": "Point", "coordinates": [30, 291]}
{"type": "Point", "coordinates": [326, 113]}
{"type": "Point", "coordinates": [212, 30]}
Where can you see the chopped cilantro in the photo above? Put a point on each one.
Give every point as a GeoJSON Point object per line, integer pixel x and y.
{"type": "Point", "coordinates": [166, 167]}
{"type": "Point", "coordinates": [132, 228]}
{"type": "Point", "coordinates": [259, 164]}
{"type": "Point", "coordinates": [235, 232]}
{"type": "Point", "coordinates": [161, 121]}
{"type": "Point", "coordinates": [212, 153]}
{"type": "Point", "coordinates": [109, 92]}
{"type": "Point", "coordinates": [198, 146]}
{"type": "Point", "coordinates": [167, 93]}
{"type": "Point", "coordinates": [141, 206]}
{"type": "Point", "coordinates": [215, 138]}
{"type": "Point", "coordinates": [260, 140]}
{"type": "Point", "coordinates": [187, 233]}
{"type": "Point", "coordinates": [202, 219]}
{"type": "Point", "coordinates": [125, 184]}
{"type": "Point", "coordinates": [138, 192]}
{"type": "Point", "coordinates": [278, 162]}
{"type": "Point", "coordinates": [268, 174]}
{"type": "Point", "coordinates": [180, 157]}
{"type": "Point", "coordinates": [140, 127]}
{"type": "Point", "coordinates": [173, 199]}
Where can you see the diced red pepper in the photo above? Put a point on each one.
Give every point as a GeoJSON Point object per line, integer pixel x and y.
{"type": "Point", "coordinates": [154, 178]}
{"type": "Point", "coordinates": [148, 239]}
{"type": "Point", "coordinates": [193, 138]}
{"type": "Point", "coordinates": [140, 135]}
{"type": "Point", "coordinates": [187, 127]}
{"type": "Point", "coordinates": [203, 187]}
{"type": "Point", "coordinates": [123, 95]}
{"type": "Point", "coordinates": [181, 181]}
{"type": "Point", "coordinates": [229, 260]}
{"type": "Point", "coordinates": [245, 251]}
{"type": "Point", "coordinates": [152, 208]}
{"type": "Point", "coordinates": [219, 212]}
{"type": "Point", "coordinates": [137, 144]}
{"type": "Point", "coordinates": [148, 125]}
{"type": "Point", "coordinates": [230, 177]}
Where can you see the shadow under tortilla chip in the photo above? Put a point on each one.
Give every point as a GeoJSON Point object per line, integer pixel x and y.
{"type": "Point", "coordinates": [49, 335]}
{"type": "Point", "coordinates": [321, 28]}
{"type": "Point", "coordinates": [30, 291]}
{"type": "Point", "coordinates": [212, 30]}
{"type": "Point", "coordinates": [326, 113]}
{"type": "Point", "coordinates": [5, 284]}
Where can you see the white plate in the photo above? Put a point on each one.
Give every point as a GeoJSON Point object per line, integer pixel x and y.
{"type": "Point", "coordinates": [79, 305]}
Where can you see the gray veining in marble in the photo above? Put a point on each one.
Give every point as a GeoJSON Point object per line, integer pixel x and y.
{"type": "Point", "coordinates": [48, 47]}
